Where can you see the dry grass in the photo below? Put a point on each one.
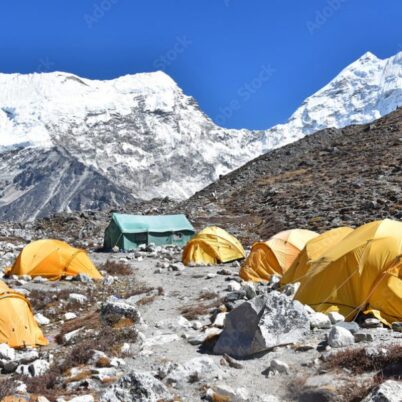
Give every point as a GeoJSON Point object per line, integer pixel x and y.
{"type": "Point", "coordinates": [194, 311]}
{"type": "Point", "coordinates": [207, 295]}
{"type": "Point", "coordinates": [6, 388]}
{"type": "Point", "coordinates": [357, 392]}
{"type": "Point", "coordinates": [89, 321]}
{"type": "Point", "coordinates": [358, 361]}
{"type": "Point", "coordinates": [146, 300]}
{"type": "Point", "coordinates": [116, 268]}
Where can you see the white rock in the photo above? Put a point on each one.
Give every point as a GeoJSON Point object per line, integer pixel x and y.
{"type": "Point", "coordinates": [219, 321]}
{"type": "Point", "coordinates": [27, 356]}
{"type": "Point", "coordinates": [340, 337]}
{"type": "Point", "coordinates": [6, 352]}
{"type": "Point", "coordinates": [319, 320]}
{"type": "Point", "coordinates": [83, 398]}
{"type": "Point", "coordinates": [308, 309]}
{"type": "Point", "coordinates": [39, 279]}
{"type": "Point", "coordinates": [196, 325]}
{"type": "Point", "coordinates": [77, 297]}
{"type": "Point", "coordinates": [67, 338]}
{"type": "Point", "coordinates": [234, 286]}
{"type": "Point", "coordinates": [203, 367]}
{"type": "Point", "coordinates": [41, 319]}
{"type": "Point", "coordinates": [136, 386]}
{"type": "Point", "coordinates": [335, 317]}
{"type": "Point", "coordinates": [70, 316]}
{"type": "Point", "coordinates": [223, 390]}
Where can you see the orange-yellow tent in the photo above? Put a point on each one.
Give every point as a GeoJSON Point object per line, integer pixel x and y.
{"type": "Point", "coordinates": [211, 246]}
{"type": "Point", "coordinates": [363, 272]}
{"type": "Point", "coordinates": [276, 255]}
{"type": "Point", "coordinates": [312, 251]}
{"type": "Point", "coordinates": [53, 259]}
{"type": "Point", "coordinates": [18, 327]}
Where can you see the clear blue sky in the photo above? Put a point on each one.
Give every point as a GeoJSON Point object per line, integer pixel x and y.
{"type": "Point", "coordinates": [248, 63]}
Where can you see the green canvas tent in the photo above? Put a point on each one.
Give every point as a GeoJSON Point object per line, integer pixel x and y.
{"type": "Point", "coordinates": [127, 232]}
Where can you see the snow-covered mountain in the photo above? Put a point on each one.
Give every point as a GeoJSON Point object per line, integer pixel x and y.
{"type": "Point", "coordinates": [69, 143]}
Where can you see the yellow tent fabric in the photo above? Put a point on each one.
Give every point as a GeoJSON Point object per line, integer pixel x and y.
{"type": "Point", "coordinates": [18, 327]}
{"type": "Point", "coordinates": [363, 272]}
{"type": "Point", "coordinates": [53, 259]}
{"type": "Point", "coordinates": [312, 251]}
{"type": "Point", "coordinates": [276, 255]}
{"type": "Point", "coordinates": [212, 245]}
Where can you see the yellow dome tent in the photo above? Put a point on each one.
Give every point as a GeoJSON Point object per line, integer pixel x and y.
{"type": "Point", "coordinates": [53, 259]}
{"type": "Point", "coordinates": [211, 246]}
{"type": "Point", "coordinates": [18, 327]}
{"type": "Point", "coordinates": [312, 251]}
{"type": "Point", "coordinates": [363, 272]}
{"type": "Point", "coordinates": [276, 255]}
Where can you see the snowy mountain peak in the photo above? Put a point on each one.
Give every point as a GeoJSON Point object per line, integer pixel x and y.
{"type": "Point", "coordinates": [142, 137]}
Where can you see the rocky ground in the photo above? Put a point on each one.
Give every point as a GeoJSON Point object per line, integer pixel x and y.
{"type": "Point", "coordinates": [334, 177]}
{"type": "Point", "coordinates": [151, 331]}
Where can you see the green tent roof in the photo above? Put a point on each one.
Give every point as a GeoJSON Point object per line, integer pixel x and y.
{"type": "Point", "coordinates": [151, 223]}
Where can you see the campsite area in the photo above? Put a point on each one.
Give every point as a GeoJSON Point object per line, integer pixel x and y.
{"type": "Point", "coordinates": [149, 329]}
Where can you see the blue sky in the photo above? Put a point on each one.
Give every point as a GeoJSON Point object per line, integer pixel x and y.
{"type": "Point", "coordinates": [248, 63]}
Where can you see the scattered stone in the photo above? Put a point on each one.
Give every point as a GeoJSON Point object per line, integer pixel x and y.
{"type": "Point", "coordinates": [219, 321]}
{"type": "Point", "coordinates": [6, 352]}
{"type": "Point", "coordinates": [39, 279]}
{"type": "Point", "coordinates": [232, 362]}
{"type": "Point", "coordinates": [41, 319]}
{"type": "Point", "coordinates": [350, 326]}
{"type": "Point", "coordinates": [340, 337]}
{"type": "Point", "coordinates": [83, 398]}
{"type": "Point", "coordinates": [363, 337]}
{"type": "Point", "coordinates": [249, 288]}
{"type": "Point", "coordinates": [222, 392]}
{"type": "Point", "coordinates": [196, 325]}
{"type": "Point", "coordinates": [115, 249]}
{"type": "Point", "coordinates": [136, 386]}
{"type": "Point", "coordinates": [35, 369]}
{"type": "Point", "coordinates": [320, 321]}
{"type": "Point", "coordinates": [388, 391]}
{"type": "Point", "coordinates": [397, 326]}
{"type": "Point", "coordinates": [70, 316]}
{"type": "Point", "coordinates": [234, 286]}
{"type": "Point", "coordinates": [371, 323]}
{"type": "Point", "coordinates": [84, 278]}
{"type": "Point", "coordinates": [202, 368]}
{"type": "Point", "coordinates": [335, 317]}
{"type": "Point", "coordinates": [27, 356]}
{"type": "Point", "coordinates": [118, 307]}
{"type": "Point", "coordinates": [70, 337]}
{"type": "Point", "coordinates": [211, 275]}
{"type": "Point", "coordinates": [224, 271]}
{"type": "Point", "coordinates": [77, 297]}
{"type": "Point", "coordinates": [262, 323]}
{"type": "Point", "coordinates": [278, 366]}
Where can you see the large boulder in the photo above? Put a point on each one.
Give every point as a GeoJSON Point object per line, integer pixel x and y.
{"type": "Point", "coordinates": [263, 323]}
{"type": "Point", "coordinates": [388, 391]}
{"type": "Point", "coordinates": [136, 386]}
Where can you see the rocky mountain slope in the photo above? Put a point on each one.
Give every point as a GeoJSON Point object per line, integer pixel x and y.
{"type": "Point", "coordinates": [140, 136]}
{"type": "Point", "coordinates": [334, 177]}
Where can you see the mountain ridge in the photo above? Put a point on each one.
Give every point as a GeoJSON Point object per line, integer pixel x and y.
{"type": "Point", "coordinates": [145, 136]}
